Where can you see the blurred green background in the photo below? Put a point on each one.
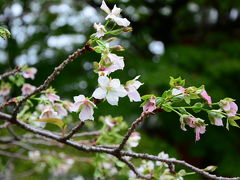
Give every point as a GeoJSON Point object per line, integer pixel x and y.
{"type": "Point", "coordinates": [198, 40]}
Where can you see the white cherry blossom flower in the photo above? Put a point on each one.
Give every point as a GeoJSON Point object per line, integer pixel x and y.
{"type": "Point", "coordinates": [62, 112]}
{"type": "Point", "coordinates": [27, 89]}
{"type": "Point", "coordinates": [114, 15]}
{"type": "Point", "coordinates": [131, 87]}
{"type": "Point", "coordinates": [30, 73]}
{"type": "Point", "coordinates": [100, 30]}
{"type": "Point", "coordinates": [134, 139]}
{"type": "Point", "coordinates": [52, 97]}
{"type": "Point", "coordinates": [85, 106]}
{"type": "Point", "coordinates": [5, 89]}
{"type": "Point", "coordinates": [111, 89]}
{"type": "Point", "coordinates": [48, 112]}
{"type": "Point", "coordinates": [111, 63]}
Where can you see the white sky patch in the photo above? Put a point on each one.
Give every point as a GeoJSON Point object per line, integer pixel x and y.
{"type": "Point", "coordinates": [157, 47]}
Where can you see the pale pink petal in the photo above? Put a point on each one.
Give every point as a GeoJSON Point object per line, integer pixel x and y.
{"type": "Point", "coordinates": [104, 7]}
{"type": "Point", "coordinates": [99, 93]}
{"type": "Point", "coordinates": [79, 98]}
{"type": "Point", "coordinates": [121, 92]}
{"type": "Point", "coordinates": [103, 81]}
{"type": "Point", "coordinates": [134, 96]}
{"type": "Point", "coordinates": [86, 113]}
{"type": "Point", "coordinates": [116, 11]}
{"type": "Point", "coordinates": [115, 83]}
{"type": "Point", "coordinates": [53, 97]}
{"type": "Point", "coordinates": [226, 107]}
{"type": "Point", "coordinates": [206, 97]}
{"type": "Point", "coordinates": [121, 21]}
{"type": "Point", "coordinates": [112, 98]}
{"type": "Point", "coordinates": [27, 89]}
{"type": "Point", "coordinates": [234, 106]}
{"type": "Point", "coordinates": [218, 122]}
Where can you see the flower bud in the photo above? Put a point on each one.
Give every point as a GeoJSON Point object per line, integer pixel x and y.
{"type": "Point", "coordinates": [127, 29]}
{"type": "Point", "coordinates": [111, 39]}
{"type": "Point", "coordinates": [117, 48]}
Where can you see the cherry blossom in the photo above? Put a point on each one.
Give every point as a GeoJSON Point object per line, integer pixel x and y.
{"type": "Point", "coordinates": [30, 73]}
{"type": "Point", "coordinates": [134, 139]}
{"type": "Point", "coordinates": [178, 90]}
{"type": "Point", "coordinates": [163, 156]}
{"type": "Point", "coordinates": [85, 106]}
{"type": "Point", "coordinates": [150, 106]}
{"type": "Point", "coordinates": [62, 112]}
{"type": "Point", "coordinates": [196, 123]}
{"type": "Point", "coordinates": [52, 97]}
{"type": "Point", "coordinates": [111, 89]}
{"type": "Point", "coordinates": [114, 15]}
{"type": "Point", "coordinates": [131, 87]}
{"type": "Point", "coordinates": [229, 107]}
{"type": "Point", "coordinates": [206, 97]}
{"type": "Point", "coordinates": [48, 112]}
{"type": "Point", "coordinates": [110, 121]}
{"type": "Point", "coordinates": [27, 89]}
{"type": "Point", "coordinates": [5, 89]}
{"type": "Point", "coordinates": [215, 117]}
{"type": "Point", "coordinates": [110, 62]}
{"type": "Point", "coordinates": [100, 30]}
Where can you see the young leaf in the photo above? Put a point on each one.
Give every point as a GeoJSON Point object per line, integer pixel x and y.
{"type": "Point", "coordinates": [4, 33]}
{"type": "Point", "coordinates": [210, 168]}
{"type": "Point", "coordinates": [54, 121]}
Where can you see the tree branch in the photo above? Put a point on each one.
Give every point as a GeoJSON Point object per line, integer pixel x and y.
{"type": "Point", "coordinates": [12, 72]}
{"type": "Point", "coordinates": [143, 116]}
{"type": "Point", "coordinates": [132, 167]}
{"type": "Point", "coordinates": [121, 153]}
{"type": "Point", "coordinates": [52, 76]}
{"type": "Point", "coordinates": [73, 131]}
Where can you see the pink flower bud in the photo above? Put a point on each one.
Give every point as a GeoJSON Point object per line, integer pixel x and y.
{"type": "Point", "coordinates": [206, 97]}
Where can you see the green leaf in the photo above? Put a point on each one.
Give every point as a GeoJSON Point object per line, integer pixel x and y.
{"type": "Point", "coordinates": [147, 97]}
{"type": "Point", "coordinates": [54, 121]}
{"type": "Point", "coordinates": [197, 107]}
{"type": "Point", "coordinates": [210, 168]}
{"type": "Point", "coordinates": [159, 101]}
{"type": "Point", "coordinates": [166, 108]}
{"type": "Point", "coordinates": [4, 33]}
{"type": "Point", "coordinates": [233, 123]}
{"type": "Point", "coordinates": [176, 82]}
{"type": "Point", "coordinates": [115, 32]}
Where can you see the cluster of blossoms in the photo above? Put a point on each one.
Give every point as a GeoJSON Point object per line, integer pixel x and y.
{"type": "Point", "coordinates": [19, 80]}
{"type": "Point", "coordinates": [108, 88]}
{"type": "Point", "coordinates": [57, 163]}
{"type": "Point", "coordinates": [158, 170]}
{"type": "Point", "coordinates": [227, 108]}
{"type": "Point", "coordinates": [107, 165]}
{"type": "Point", "coordinates": [50, 106]}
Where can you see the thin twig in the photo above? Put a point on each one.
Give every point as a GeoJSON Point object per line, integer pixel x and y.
{"type": "Point", "coordinates": [73, 131]}
{"type": "Point", "coordinates": [132, 167]}
{"type": "Point", "coordinates": [12, 72]}
{"type": "Point", "coordinates": [52, 76]}
{"type": "Point", "coordinates": [13, 155]}
{"type": "Point", "coordinates": [143, 116]}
